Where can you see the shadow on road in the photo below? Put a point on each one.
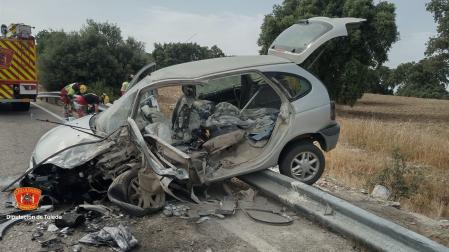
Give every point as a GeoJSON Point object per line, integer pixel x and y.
{"type": "Point", "coordinates": [9, 109]}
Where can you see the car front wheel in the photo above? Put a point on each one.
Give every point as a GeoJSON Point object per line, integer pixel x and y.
{"type": "Point", "coordinates": [137, 194]}
{"type": "Point", "coordinates": [303, 162]}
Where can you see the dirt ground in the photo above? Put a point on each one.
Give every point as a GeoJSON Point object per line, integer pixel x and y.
{"type": "Point", "coordinates": [433, 229]}
{"type": "Point", "coordinates": [167, 98]}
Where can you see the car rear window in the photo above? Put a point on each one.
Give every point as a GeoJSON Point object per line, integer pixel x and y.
{"type": "Point", "coordinates": [298, 36]}
{"type": "Point", "coordinates": [295, 86]}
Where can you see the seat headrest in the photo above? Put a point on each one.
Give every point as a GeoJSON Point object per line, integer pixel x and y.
{"type": "Point", "coordinates": [189, 91]}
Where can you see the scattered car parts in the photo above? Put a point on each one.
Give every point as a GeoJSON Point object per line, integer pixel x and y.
{"type": "Point", "coordinates": [70, 220]}
{"type": "Point", "coordinates": [119, 236]}
{"type": "Point", "coordinates": [7, 223]}
{"type": "Point", "coordinates": [268, 216]}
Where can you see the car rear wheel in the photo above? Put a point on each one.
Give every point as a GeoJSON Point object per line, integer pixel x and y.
{"type": "Point", "coordinates": [303, 162]}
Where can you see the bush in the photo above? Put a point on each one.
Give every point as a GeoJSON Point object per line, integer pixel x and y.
{"type": "Point", "coordinates": [402, 180]}
{"type": "Point", "coordinates": [100, 87]}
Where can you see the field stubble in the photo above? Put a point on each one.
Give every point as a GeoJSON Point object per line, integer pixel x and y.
{"type": "Point", "coordinates": [417, 130]}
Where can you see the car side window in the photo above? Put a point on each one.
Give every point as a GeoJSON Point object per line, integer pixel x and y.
{"type": "Point", "coordinates": [223, 89]}
{"type": "Point", "coordinates": [295, 86]}
{"type": "Point", "coordinates": [219, 84]}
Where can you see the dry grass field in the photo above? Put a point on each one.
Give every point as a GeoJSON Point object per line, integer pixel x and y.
{"type": "Point", "coordinates": [168, 96]}
{"type": "Point", "coordinates": [400, 142]}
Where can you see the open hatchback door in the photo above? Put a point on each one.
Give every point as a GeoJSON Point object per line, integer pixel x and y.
{"type": "Point", "coordinates": [300, 40]}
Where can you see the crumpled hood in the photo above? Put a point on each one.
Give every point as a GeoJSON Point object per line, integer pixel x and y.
{"type": "Point", "coordinates": [62, 137]}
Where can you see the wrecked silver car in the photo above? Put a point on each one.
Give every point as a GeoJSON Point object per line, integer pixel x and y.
{"type": "Point", "coordinates": [197, 123]}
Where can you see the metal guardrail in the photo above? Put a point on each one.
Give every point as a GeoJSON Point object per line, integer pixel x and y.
{"type": "Point", "coordinates": [54, 94]}
{"type": "Point", "coordinates": [339, 215]}
{"type": "Point", "coordinates": [49, 96]}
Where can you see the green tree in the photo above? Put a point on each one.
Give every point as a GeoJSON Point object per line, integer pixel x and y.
{"type": "Point", "coordinates": [439, 45]}
{"type": "Point", "coordinates": [96, 55]}
{"type": "Point", "coordinates": [428, 78]}
{"type": "Point", "coordinates": [381, 81]}
{"type": "Point", "coordinates": [424, 79]}
{"type": "Point", "coordinates": [345, 63]}
{"type": "Point", "coordinates": [175, 53]}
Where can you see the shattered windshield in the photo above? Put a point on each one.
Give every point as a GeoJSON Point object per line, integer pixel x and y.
{"type": "Point", "coordinates": [298, 37]}
{"type": "Point", "coordinates": [116, 116]}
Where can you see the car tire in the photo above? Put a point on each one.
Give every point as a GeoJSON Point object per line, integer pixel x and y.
{"type": "Point", "coordinates": [119, 193]}
{"type": "Point", "coordinates": [304, 162]}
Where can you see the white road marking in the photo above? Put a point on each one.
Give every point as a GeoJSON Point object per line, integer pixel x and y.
{"type": "Point", "coordinates": [48, 111]}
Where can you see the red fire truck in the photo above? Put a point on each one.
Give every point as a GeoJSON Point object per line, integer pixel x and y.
{"type": "Point", "coordinates": [18, 74]}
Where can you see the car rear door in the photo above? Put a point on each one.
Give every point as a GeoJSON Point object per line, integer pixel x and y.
{"type": "Point", "coordinates": [300, 40]}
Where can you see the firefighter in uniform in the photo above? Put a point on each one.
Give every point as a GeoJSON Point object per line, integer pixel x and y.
{"type": "Point", "coordinates": [67, 94]}
{"type": "Point", "coordinates": [124, 88]}
{"type": "Point", "coordinates": [86, 104]}
{"type": "Point", "coordinates": [105, 99]}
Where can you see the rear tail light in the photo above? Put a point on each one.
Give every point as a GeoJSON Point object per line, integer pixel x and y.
{"type": "Point", "coordinates": [332, 110]}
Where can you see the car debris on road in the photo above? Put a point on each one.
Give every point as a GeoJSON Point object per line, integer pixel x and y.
{"type": "Point", "coordinates": [119, 236]}
{"type": "Point", "coordinates": [100, 224]}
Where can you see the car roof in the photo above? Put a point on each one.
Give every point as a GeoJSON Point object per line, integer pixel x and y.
{"type": "Point", "coordinates": [197, 69]}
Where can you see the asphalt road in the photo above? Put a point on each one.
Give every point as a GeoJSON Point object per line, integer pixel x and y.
{"type": "Point", "coordinates": [19, 132]}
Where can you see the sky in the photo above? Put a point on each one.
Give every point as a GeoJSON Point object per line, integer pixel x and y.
{"type": "Point", "coordinates": [232, 25]}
